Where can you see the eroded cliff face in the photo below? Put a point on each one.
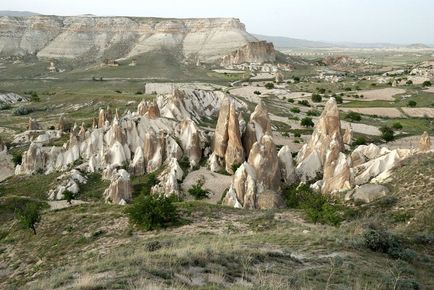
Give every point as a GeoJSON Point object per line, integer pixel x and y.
{"type": "Point", "coordinates": [252, 52]}
{"type": "Point", "coordinates": [207, 39]}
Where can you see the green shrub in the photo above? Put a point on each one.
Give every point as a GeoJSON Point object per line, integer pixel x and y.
{"type": "Point", "coordinates": [387, 133]}
{"type": "Point", "coordinates": [290, 100]}
{"type": "Point", "coordinates": [317, 207]}
{"type": "Point", "coordinates": [411, 103]}
{"type": "Point", "coordinates": [409, 82]}
{"type": "Point", "coordinates": [151, 212]}
{"type": "Point", "coordinates": [313, 113]}
{"type": "Point", "coordinates": [316, 98]}
{"type": "Point", "coordinates": [257, 93]}
{"type": "Point", "coordinates": [21, 111]}
{"type": "Point", "coordinates": [139, 93]}
{"type": "Point", "coordinates": [304, 103]}
{"type": "Point", "coordinates": [198, 192]}
{"type": "Point", "coordinates": [427, 84]}
{"type": "Point", "coordinates": [307, 122]}
{"type": "Point", "coordinates": [295, 110]}
{"type": "Point", "coordinates": [297, 134]}
{"type": "Point", "coordinates": [69, 196]}
{"type": "Point", "coordinates": [353, 116]}
{"type": "Point", "coordinates": [339, 99]}
{"type": "Point", "coordinates": [397, 126]}
{"type": "Point", "coordinates": [29, 216]}
{"type": "Point", "coordinates": [269, 86]}
{"type": "Point", "coordinates": [4, 106]}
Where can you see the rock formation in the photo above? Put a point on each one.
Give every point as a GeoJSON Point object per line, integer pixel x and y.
{"type": "Point", "coordinates": [33, 125]}
{"type": "Point", "coordinates": [348, 135]}
{"type": "Point", "coordinates": [287, 168]}
{"type": "Point", "coordinates": [191, 141]}
{"type": "Point", "coordinates": [257, 182]}
{"type": "Point", "coordinates": [120, 189]}
{"type": "Point", "coordinates": [367, 193]}
{"type": "Point", "coordinates": [312, 155]}
{"type": "Point", "coordinates": [168, 179]}
{"type": "Point", "coordinates": [253, 52]}
{"type": "Point", "coordinates": [258, 126]}
{"type": "Point", "coordinates": [69, 181]}
{"type": "Point", "coordinates": [424, 142]}
{"type": "Point", "coordinates": [228, 149]}
{"type": "Point", "coordinates": [61, 124]}
{"type": "Point", "coordinates": [7, 167]}
{"type": "Point", "coordinates": [55, 37]}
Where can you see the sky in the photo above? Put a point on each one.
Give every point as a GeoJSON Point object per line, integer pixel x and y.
{"type": "Point", "coordinates": [392, 21]}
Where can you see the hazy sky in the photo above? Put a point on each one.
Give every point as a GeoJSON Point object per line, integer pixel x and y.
{"type": "Point", "coordinates": [398, 21]}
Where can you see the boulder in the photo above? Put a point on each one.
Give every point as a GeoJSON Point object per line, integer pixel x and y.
{"type": "Point", "coordinates": [424, 142]}
{"type": "Point", "coordinates": [120, 189]}
{"type": "Point", "coordinates": [367, 193]}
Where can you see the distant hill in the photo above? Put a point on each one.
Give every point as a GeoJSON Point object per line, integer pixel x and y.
{"type": "Point", "coordinates": [287, 42]}
{"type": "Point", "coordinates": [17, 13]}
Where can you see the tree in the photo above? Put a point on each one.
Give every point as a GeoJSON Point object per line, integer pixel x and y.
{"type": "Point", "coordinates": [307, 122]}
{"type": "Point", "coordinates": [387, 133]}
{"type": "Point", "coordinates": [152, 212]}
{"type": "Point", "coordinates": [409, 82]}
{"type": "Point", "coordinates": [257, 93]}
{"type": "Point", "coordinates": [427, 84]}
{"type": "Point", "coordinates": [397, 126]}
{"type": "Point", "coordinates": [295, 110]}
{"type": "Point", "coordinates": [353, 116]}
{"type": "Point", "coordinates": [69, 196]}
{"type": "Point", "coordinates": [29, 216]}
{"type": "Point", "coordinates": [339, 99]}
{"type": "Point", "coordinates": [198, 192]}
{"type": "Point", "coordinates": [269, 86]}
{"type": "Point", "coordinates": [316, 98]}
{"type": "Point", "coordinates": [411, 103]}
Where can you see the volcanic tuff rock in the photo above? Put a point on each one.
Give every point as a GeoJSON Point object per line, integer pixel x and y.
{"type": "Point", "coordinates": [348, 135]}
{"type": "Point", "coordinates": [69, 181]}
{"type": "Point", "coordinates": [253, 52]}
{"type": "Point", "coordinates": [75, 37]}
{"type": "Point", "coordinates": [424, 142]}
{"type": "Point", "coordinates": [120, 189]}
{"type": "Point", "coordinates": [286, 164]}
{"type": "Point", "coordinates": [258, 126]}
{"type": "Point", "coordinates": [367, 193]}
{"type": "Point", "coordinates": [7, 166]}
{"type": "Point", "coordinates": [11, 98]}
{"type": "Point", "coordinates": [168, 179]}
{"type": "Point", "coordinates": [312, 155]}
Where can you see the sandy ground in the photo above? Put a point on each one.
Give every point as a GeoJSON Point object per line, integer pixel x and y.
{"type": "Point", "coordinates": [289, 141]}
{"type": "Point", "coordinates": [429, 90]}
{"type": "Point", "coordinates": [215, 183]}
{"type": "Point", "coordinates": [361, 128]}
{"type": "Point", "coordinates": [263, 76]}
{"type": "Point", "coordinates": [407, 143]}
{"type": "Point", "coordinates": [419, 112]}
{"type": "Point", "coordinates": [382, 112]}
{"type": "Point", "coordinates": [418, 80]}
{"type": "Point", "coordinates": [380, 94]}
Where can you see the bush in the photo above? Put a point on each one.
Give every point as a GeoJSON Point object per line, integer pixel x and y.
{"type": "Point", "coordinates": [317, 207]}
{"type": "Point", "coordinates": [269, 86]}
{"type": "Point", "coordinates": [313, 113]}
{"type": "Point", "coordinates": [69, 196]}
{"type": "Point", "coordinates": [296, 79]}
{"type": "Point", "coordinates": [29, 216]}
{"type": "Point", "coordinates": [397, 126]}
{"type": "Point", "coordinates": [21, 111]}
{"type": "Point", "coordinates": [197, 191]}
{"type": "Point", "coordinates": [139, 93]}
{"type": "Point", "coordinates": [290, 100]}
{"type": "Point", "coordinates": [17, 158]}
{"type": "Point", "coordinates": [295, 110]}
{"type": "Point", "coordinates": [387, 133]}
{"type": "Point", "coordinates": [409, 82]}
{"type": "Point", "coordinates": [304, 103]}
{"type": "Point", "coordinates": [353, 116]}
{"type": "Point", "coordinates": [411, 103]}
{"type": "Point", "coordinates": [316, 98]}
{"type": "Point", "coordinates": [151, 212]}
{"type": "Point", "coordinates": [427, 84]}
{"type": "Point", "coordinates": [339, 99]}
{"type": "Point", "coordinates": [257, 93]}
{"type": "Point", "coordinates": [4, 106]}
{"type": "Point", "coordinates": [297, 134]}
{"type": "Point", "coordinates": [307, 122]}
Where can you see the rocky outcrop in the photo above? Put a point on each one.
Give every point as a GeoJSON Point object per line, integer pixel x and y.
{"type": "Point", "coordinates": [78, 37]}
{"type": "Point", "coordinates": [120, 189]}
{"type": "Point", "coordinates": [34, 160]}
{"type": "Point", "coordinates": [367, 193]}
{"type": "Point", "coordinates": [33, 125]}
{"type": "Point", "coordinates": [191, 141]}
{"type": "Point", "coordinates": [312, 156]}
{"type": "Point", "coordinates": [338, 175]}
{"type": "Point", "coordinates": [61, 124]}
{"type": "Point", "coordinates": [258, 126]}
{"type": "Point", "coordinates": [69, 181]}
{"type": "Point", "coordinates": [168, 179]}
{"type": "Point", "coordinates": [11, 98]}
{"type": "Point", "coordinates": [7, 167]}
{"type": "Point", "coordinates": [424, 142]}
{"type": "Point", "coordinates": [348, 135]}
{"type": "Point", "coordinates": [287, 168]}
{"type": "Point", "coordinates": [227, 149]}
{"type": "Point", "coordinates": [257, 182]}
{"type": "Point", "coordinates": [253, 52]}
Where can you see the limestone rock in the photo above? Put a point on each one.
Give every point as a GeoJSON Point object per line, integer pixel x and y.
{"type": "Point", "coordinates": [221, 135]}
{"type": "Point", "coordinates": [257, 52]}
{"type": "Point", "coordinates": [348, 135]}
{"type": "Point", "coordinates": [234, 154]}
{"type": "Point", "coordinates": [287, 168]}
{"type": "Point", "coordinates": [327, 129]}
{"type": "Point", "coordinates": [368, 193]}
{"type": "Point", "coordinates": [101, 118]}
{"type": "Point", "coordinates": [258, 126]}
{"type": "Point", "coordinates": [33, 160]}
{"type": "Point", "coordinates": [120, 189]}
{"type": "Point", "coordinates": [61, 124]}
{"type": "Point", "coordinates": [424, 142]}
{"type": "Point", "coordinates": [137, 167]}
{"type": "Point", "coordinates": [169, 179]}
{"type": "Point", "coordinates": [191, 141]}
{"type": "Point", "coordinates": [69, 181]}
{"type": "Point", "coordinates": [337, 175]}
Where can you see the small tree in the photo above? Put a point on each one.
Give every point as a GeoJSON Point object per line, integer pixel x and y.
{"type": "Point", "coordinates": [29, 216]}
{"type": "Point", "coordinates": [387, 133]}
{"type": "Point", "coordinates": [397, 126]}
{"type": "Point", "coordinates": [316, 98]}
{"type": "Point", "coordinates": [269, 86]}
{"type": "Point", "coordinates": [307, 122]}
{"type": "Point", "coordinates": [412, 103]}
{"type": "Point", "coordinates": [197, 191]}
{"type": "Point", "coordinates": [339, 99]}
{"type": "Point", "coordinates": [152, 212]}
{"type": "Point", "coordinates": [360, 141]}
{"type": "Point", "coordinates": [295, 110]}
{"type": "Point", "coordinates": [409, 82]}
{"type": "Point", "coordinates": [353, 116]}
{"type": "Point", "coordinates": [427, 84]}
{"type": "Point", "coordinates": [257, 93]}
{"type": "Point", "coordinates": [69, 196]}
